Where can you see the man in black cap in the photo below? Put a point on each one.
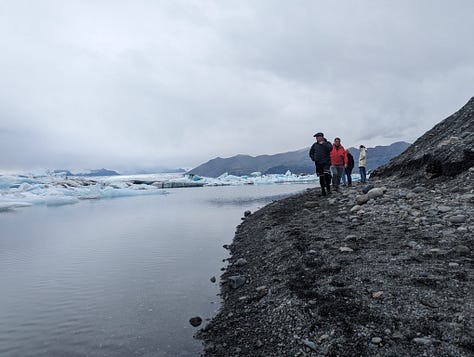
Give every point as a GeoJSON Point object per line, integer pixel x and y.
{"type": "Point", "coordinates": [320, 154]}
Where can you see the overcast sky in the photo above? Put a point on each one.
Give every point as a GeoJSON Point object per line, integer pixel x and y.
{"type": "Point", "coordinates": [135, 84]}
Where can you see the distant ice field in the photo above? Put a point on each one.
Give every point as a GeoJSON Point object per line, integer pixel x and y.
{"type": "Point", "coordinates": [19, 191]}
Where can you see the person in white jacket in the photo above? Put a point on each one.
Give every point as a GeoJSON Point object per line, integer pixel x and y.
{"type": "Point", "coordinates": [362, 163]}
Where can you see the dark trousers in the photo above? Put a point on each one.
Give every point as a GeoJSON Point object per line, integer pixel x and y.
{"type": "Point", "coordinates": [324, 174]}
{"type": "Point", "coordinates": [325, 182]}
{"type": "Point", "coordinates": [348, 174]}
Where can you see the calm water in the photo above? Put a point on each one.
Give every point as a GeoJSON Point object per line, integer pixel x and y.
{"type": "Point", "coordinates": [118, 277]}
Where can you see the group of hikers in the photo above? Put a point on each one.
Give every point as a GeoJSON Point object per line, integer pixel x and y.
{"type": "Point", "coordinates": [334, 163]}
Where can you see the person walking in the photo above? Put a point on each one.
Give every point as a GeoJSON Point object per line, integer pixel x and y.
{"type": "Point", "coordinates": [338, 163]}
{"type": "Point", "coordinates": [362, 163]}
{"type": "Point", "coordinates": [320, 154]}
{"type": "Point", "coordinates": [350, 166]}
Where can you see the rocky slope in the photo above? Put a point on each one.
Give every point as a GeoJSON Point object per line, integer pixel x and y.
{"type": "Point", "coordinates": [447, 149]}
{"type": "Point", "coordinates": [379, 270]}
{"type": "Point", "coordinates": [325, 277]}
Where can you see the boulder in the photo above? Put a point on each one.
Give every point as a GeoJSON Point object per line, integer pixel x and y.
{"type": "Point", "coordinates": [375, 193]}
{"type": "Point", "coordinates": [361, 199]}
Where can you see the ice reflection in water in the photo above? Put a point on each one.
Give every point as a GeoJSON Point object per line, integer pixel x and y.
{"type": "Point", "coordinates": [118, 277]}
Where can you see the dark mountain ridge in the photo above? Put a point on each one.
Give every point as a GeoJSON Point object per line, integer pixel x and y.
{"type": "Point", "coordinates": [297, 162]}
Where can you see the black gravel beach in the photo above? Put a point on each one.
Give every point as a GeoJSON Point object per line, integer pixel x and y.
{"type": "Point", "coordinates": [384, 269]}
{"type": "Point", "coordinates": [312, 276]}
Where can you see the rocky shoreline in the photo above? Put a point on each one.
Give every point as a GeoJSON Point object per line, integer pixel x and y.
{"type": "Point", "coordinates": [390, 276]}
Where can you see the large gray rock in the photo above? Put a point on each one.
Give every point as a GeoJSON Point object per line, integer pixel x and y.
{"type": "Point", "coordinates": [361, 199]}
{"type": "Point", "coordinates": [376, 192]}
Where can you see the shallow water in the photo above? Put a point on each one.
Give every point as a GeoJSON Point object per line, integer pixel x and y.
{"type": "Point", "coordinates": [118, 277]}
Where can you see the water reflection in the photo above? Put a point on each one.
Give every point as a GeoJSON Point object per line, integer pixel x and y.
{"type": "Point", "coordinates": [118, 277]}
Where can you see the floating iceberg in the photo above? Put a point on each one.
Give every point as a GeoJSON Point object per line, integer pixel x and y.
{"type": "Point", "coordinates": [50, 189]}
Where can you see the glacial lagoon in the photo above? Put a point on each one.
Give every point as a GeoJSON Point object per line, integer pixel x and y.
{"type": "Point", "coordinates": [121, 276]}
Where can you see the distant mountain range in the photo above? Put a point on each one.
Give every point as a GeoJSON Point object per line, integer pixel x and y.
{"type": "Point", "coordinates": [297, 162]}
{"type": "Point", "coordinates": [96, 172]}
{"type": "Point", "coordinates": [159, 170]}
{"type": "Point", "coordinates": [107, 172]}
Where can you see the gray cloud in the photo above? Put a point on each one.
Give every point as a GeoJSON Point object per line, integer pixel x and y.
{"type": "Point", "coordinates": [145, 84]}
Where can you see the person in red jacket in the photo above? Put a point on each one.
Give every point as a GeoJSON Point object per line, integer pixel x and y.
{"type": "Point", "coordinates": [338, 163]}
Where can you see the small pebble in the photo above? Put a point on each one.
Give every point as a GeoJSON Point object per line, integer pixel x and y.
{"type": "Point", "coordinates": [195, 321]}
{"type": "Point", "coordinates": [376, 340]}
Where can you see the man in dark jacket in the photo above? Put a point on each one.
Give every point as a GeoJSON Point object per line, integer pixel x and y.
{"type": "Point", "coordinates": [320, 154]}
{"type": "Point", "coordinates": [349, 167]}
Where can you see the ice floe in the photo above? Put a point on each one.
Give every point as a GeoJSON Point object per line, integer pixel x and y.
{"type": "Point", "coordinates": [17, 191]}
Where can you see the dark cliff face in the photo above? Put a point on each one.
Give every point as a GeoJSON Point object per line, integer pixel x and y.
{"type": "Point", "coordinates": [445, 150]}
